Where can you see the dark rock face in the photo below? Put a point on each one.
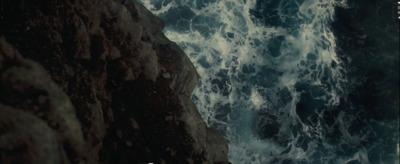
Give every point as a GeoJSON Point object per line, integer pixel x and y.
{"type": "Point", "coordinates": [96, 81]}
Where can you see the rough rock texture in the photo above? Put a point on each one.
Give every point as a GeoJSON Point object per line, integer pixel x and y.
{"type": "Point", "coordinates": [96, 81]}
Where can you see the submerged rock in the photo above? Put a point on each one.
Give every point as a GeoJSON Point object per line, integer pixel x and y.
{"type": "Point", "coordinates": [96, 82]}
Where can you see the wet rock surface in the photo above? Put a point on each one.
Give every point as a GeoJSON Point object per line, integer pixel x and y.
{"type": "Point", "coordinates": [96, 82]}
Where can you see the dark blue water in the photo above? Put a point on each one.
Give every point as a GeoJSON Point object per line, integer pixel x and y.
{"type": "Point", "coordinates": [294, 81]}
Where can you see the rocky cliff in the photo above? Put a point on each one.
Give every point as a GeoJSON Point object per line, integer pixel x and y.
{"type": "Point", "coordinates": [96, 81]}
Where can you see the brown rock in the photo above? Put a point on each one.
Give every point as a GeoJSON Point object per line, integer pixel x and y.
{"type": "Point", "coordinates": [106, 86]}
{"type": "Point", "coordinates": [26, 138]}
{"type": "Point", "coordinates": [29, 91]}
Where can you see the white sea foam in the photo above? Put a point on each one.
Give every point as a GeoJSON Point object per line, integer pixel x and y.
{"type": "Point", "coordinates": [240, 78]}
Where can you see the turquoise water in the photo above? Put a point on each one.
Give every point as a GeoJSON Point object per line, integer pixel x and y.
{"type": "Point", "coordinates": [288, 81]}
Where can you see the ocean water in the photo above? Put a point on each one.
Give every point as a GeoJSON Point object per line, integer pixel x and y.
{"type": "Point", "coordinates": [294, 81]}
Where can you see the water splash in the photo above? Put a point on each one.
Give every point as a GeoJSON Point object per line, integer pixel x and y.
{"type": "Point", "coordinates": [270, 78]}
